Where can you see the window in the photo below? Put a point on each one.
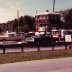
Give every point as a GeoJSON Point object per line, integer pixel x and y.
{"type": "Point", "coordinates": [50, 16]}
{"type": "Point", "coordinates": [37, 17]}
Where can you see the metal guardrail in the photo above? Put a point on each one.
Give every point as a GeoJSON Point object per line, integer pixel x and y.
{"type": "Point", "coordinates": [4, 46]}
{"type": "Point", "coordinates": [37, 44]}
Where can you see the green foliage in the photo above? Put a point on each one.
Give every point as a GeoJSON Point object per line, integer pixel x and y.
{"type": "Point", "coordinates": [68, 19]}
{"type": "Point", "coordinates": [0, 30]}
{"type": "Point", "coordinates": [25, 23]}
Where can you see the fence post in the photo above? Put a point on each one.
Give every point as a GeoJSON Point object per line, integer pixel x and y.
{"type": "Point", "coordinates": [52, 45]}
{"type": "Point", "coordinates": [65, 45]}
{"type": "Point", "coordinates": [53, 42]}
{"type": "Point", "coordinates": [3, 50]}
{"type": "Point", "coordinates": [22, 49]}
{"type": "Point", "coordinates": [4, 43]}
{"type": "Point", "coordinates": [38, 46]}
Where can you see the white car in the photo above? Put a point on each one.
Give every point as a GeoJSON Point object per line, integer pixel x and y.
{"type": "Point", "coordinates": [31, 39]}
{"type": "Point", "coordinates": [11, 37]}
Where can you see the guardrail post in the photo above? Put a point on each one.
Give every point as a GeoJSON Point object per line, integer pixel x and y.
{"type": "Point", "coordinates": [53, 43]}
{"type": "Point", "coordinates": [38, 46]}
{"type": "Point", "coordinates": [3, 50]}
{"type": "Point", "coordinates": [65, 46]}
{"type": "Point", "coordinates": [4, 42]}
{"type": "Point", "coordinates": [22, 50]}
{"type": "Point", "coordinates": [65, 43]}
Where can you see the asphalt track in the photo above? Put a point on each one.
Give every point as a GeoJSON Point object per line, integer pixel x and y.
{"type": "Point", "coordinates": [48, 65]}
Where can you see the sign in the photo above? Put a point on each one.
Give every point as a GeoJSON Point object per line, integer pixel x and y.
{"type": "Point", "coordinates": [68, 38]}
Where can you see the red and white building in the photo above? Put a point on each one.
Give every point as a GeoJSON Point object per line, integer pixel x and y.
{"type": "Point", "coordinates": [46, 20]}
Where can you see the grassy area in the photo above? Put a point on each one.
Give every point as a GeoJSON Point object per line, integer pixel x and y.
{"type": "Point", "coordinates": [27, 56]}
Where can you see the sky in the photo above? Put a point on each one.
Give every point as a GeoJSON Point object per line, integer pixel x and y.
{"type": "Point", "coordinates": [8, 8]}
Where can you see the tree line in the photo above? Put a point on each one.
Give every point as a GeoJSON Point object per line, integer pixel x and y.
{"type": "Point", "coordinates": [27, 23]}
{"type": "Point", "coordinates": [67, 24]}
{"type": "Point", "coordinates": [23, 24]}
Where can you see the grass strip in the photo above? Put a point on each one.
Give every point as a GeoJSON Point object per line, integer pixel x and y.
{"type": "Point", "coordinates": [28, 56]}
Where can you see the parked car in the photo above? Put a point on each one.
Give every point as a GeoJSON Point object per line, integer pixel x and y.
{"type": "Point", "coordinates": [29, 34]}
{"type": "Point", "coordinates": [31, 39]}
{"type": "Point", "coordinates": [11, 36]}
{"type": "Point", "coordinates": [42, 39]}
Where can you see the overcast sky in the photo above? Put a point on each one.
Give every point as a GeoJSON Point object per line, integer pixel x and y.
{"type": "Point", "coordinates": [8, 8]}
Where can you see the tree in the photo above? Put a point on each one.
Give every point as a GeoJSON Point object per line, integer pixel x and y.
{"type": "Point", "coordinates": [0, 30]}
{"type": "Point", "coordinates": [24, 23]}
{"type": "Point", "coordinates": [68, 19]}
{"type": "Point", "coordinates": [29, 23]}
{"type": "Point", "coordinates": [15, 25]}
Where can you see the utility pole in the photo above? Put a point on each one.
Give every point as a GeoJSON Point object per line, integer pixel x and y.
{"type": "Point", "coordinates": [18, 21]}
{"type": "Point", "coordinates": [54, 5]}
{"type": "Point", "coordinates": [36, 12]}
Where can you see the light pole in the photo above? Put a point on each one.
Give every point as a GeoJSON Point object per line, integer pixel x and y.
{"type": "Point", "coordinates": [18, 21]}
{"type": "Point", "coordinates": [54, 5]}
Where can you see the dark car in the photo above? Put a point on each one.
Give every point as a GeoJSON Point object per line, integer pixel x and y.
{"type": "Point", "coordinates": [44, 39]}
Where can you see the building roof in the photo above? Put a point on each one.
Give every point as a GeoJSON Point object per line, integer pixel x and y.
{"type": "Point", "coordinates": [45, 13]}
